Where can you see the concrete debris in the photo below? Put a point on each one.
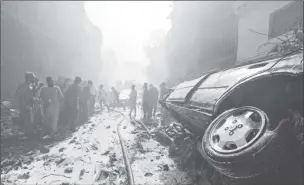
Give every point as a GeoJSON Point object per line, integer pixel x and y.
{"type": "Point", "coordinates": [68, 170]}
{"type": "Point", "coordinates": [65, 183]}
{"type": "Point", "coordinates": [106, 152]}
{"type": "Point", "coordinates": [166, 167]}
{"type": "Point", "coordinates": [60, 161]}
{"type": "Point", "coordinates": [148, 174]}
{"type": "Point", "coordinates": [101, 174]}
{"type": "Point", "coordinates": [163, 138]}
{"type": "Point", "coordinates": [44, 150]}
{"type": "Point", "coordinates": [81, 173]}
{"type": "Point", "coordinates": [94, 143]}
{"type": "Point", "coordinates": [24, 176]}
{"type": "Point", "coordinates": [61, 149]}
{"type": "Point", "coordinates": [94, 147]}
{"type": "Point", "coordinates": [112, 158]}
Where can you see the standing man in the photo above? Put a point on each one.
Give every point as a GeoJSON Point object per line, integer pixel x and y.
{"type": "Point", "coordinates": [145, 101]}
{"type": "Point", "coordinates": [132, 100]}
{"type": "Point", "coordinates": [24, 102]}
{"type": "Point", "coordinates": [87, 100]}
{"type": "Point", "coordinates": [94, 96]}
{"type": "Point", "coordinates": [163, 90]}
{"type": "Point", "coordinates": [164, 113]}
{"type": "Point", "coordinates": [153, 92]}
{"type": "Point", "coordinates": [102, 97]}
{"type": "Point", "coordinates": [65, 85]}
{"type": "Point", "coordinates": [116, 98]}
{"type": "Point", "coordinates": [72, 104]}
{"type": "Point", "coordinates": [37, 85]}
{"type": "Point", "coordinates": [51, 98]}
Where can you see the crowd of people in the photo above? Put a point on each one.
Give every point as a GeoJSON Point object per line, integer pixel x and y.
{"type": "Point", "coordinates": [72, 102]}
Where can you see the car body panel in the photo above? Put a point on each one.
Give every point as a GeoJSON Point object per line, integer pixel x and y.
{"type": "Point", "coordinates": [197, 101]}
{"type": "Point", "coordinates": [181, 91]}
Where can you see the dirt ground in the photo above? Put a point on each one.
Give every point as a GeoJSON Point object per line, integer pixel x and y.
{"type": "Point", "coordinates": [91, 155]}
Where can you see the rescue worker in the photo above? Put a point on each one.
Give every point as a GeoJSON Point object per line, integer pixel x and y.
{"type": "Point", "coordinates": [103, 98]}
{"type": "Point", "coordinates": [71, 106]}
{"type": "Point", "coordinates": [145, 101]}
{"type": "Point", "coordinates": [132, 100]}
{"type": "Point", "coordinates": [51, 97]}
{"type": "Point", "coordinates": [87, 99]}
{"type": "Point", "coordinates": [116, 98]}
{"type": "Point", "coordinates": [24, 102]}
{"type": "Point", "coordinates": [153, 96]}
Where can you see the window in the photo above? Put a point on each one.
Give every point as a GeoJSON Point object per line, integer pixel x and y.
{"type": "Point", "coordinates": [284, 18]}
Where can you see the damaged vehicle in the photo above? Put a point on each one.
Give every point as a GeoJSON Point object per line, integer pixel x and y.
{"type": "Point", "coordinates": [249, 120]}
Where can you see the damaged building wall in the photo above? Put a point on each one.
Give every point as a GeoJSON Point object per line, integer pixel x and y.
{"type": "Point", "coordinates": [257, 21]}
{"type": "Point", "coordinates": [195, 43]}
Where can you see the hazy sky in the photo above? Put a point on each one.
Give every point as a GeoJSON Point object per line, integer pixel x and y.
{"type": "Point", "coordinates": [126, 26]}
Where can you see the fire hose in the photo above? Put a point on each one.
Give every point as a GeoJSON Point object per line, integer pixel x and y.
{"type": "Point", "coordinates": [123, 147]}
{"type": "Point", "coordinates": [124, 152]}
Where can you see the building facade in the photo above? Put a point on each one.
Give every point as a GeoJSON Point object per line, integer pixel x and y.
{"type": "Point", "coordinates": [48, 38]}
{"type": "Point", "coordinates": [262, 21]}
{"type": "Point", "coordinates": [211, 35]}
{"type": "Point", "coordinates": [203, 36]}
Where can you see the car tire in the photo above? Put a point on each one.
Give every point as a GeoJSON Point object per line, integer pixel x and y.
{"type": "Point", "coordinates": [257, 158]}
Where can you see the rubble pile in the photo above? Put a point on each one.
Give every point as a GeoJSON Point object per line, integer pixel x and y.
{"type": "Point", "coordinates": [9, 120]}
{"type": "Point", "coordinates": [183, 149]}
{"type": "Point", "coordinates": [92, 155]}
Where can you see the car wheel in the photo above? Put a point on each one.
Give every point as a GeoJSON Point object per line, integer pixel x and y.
{"type": "Point", "coordinates": [240, 144]}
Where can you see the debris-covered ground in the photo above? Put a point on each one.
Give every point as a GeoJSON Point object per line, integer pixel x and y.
{"type": "Point", "coordinates": [92, 155]}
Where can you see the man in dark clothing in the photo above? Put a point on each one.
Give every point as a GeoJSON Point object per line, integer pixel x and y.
{"type": "Point", "coordinates": [24, 102]}
{"type": "Point", "coordinates": [116, 98]}
{"type": "Point", "coordinates": [163, 90]}
{"type": "Point", "coordinates": [153, 96]}
{"type": "Point", "coordinates": [132, 100]}
{"type": "Point", "coordinates": [72, 104]}
{"type": "Point", "coordinates": [87, 97]}
{"type": "Point", "coordinates": [145, 101]}
{"type": "Point", "coordinates": [164, 113]}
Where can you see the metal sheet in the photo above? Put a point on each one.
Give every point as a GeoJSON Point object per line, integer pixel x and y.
{"type": "Point", "coordinates": [182, 90]}
{"type": "Point", "coordinates": [292, 64]}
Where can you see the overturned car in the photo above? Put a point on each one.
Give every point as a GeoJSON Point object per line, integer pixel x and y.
{"type": "Point", "coordinates": [248, 118]}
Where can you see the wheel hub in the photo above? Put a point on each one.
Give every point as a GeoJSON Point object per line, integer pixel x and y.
{"type": "Point", "coordinates": [237, 130]}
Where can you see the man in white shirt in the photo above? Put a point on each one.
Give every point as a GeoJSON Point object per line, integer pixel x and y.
{"type": "Point", "coordinates": [51, 98]}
